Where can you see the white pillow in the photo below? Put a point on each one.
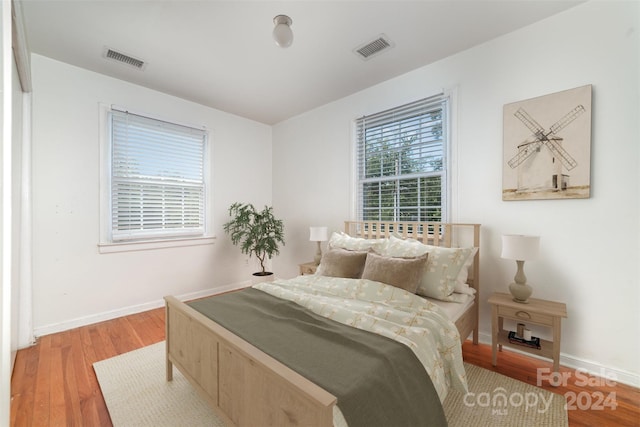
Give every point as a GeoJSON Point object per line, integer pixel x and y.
{"type": "Point", "coordinates": [402, 248]}
{"type": "Point", "coordinates": [344, 241]}
{"type": "Point", "coordinates": [464, 288]}
{"type": "Point", "coordinates": [446, 267]}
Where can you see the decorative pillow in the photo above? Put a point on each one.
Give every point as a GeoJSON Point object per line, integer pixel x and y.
{"type": "Point", "coordinates": [344, 241]}
{"type": "Point", "coordinates": [446, 267]}
{"type": "Point", "coordinates": [342, 263]}
{"type": "Point", "coordinates": [461, 286]}
{"type": "Point", "coordinates": [404, 248]}
{"type": "Point", "coordinates": [443, 271]}
{"type": "Point", "coordinates": [404, 273]}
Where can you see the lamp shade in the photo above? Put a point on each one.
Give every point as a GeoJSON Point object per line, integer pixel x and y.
{"type": "Point", "coordinates": [282, 33]}
{"type": "Point", "coordinates": [520, 247]}
{"type": "Point", "coordinates": [317, 234]}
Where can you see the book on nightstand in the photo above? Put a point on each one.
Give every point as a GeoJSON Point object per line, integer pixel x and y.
{"type": "Point", "coordinates": [534, 342]}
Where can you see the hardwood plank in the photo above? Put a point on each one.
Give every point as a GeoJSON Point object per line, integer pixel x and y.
{"type": "Point", "coordinates": [141, 323]}
{"type": "Point", "coordinates": [72, 399]}
{"type": "Point", "coordinates": [149, 327]}
{"type": "Point", "coordinates": [95, 400]}
{"type": "Point", "coordinates": [57, 409]}
{"type": "Point", "coordinates": [41, 398]}
{"type": "Point", "coordinates": [23, 385]}
{"type": "Point", "coordinates": [123, 336]}
{"type": "Point", "coordinates": [102, 343]}
{"type": "Point", "coordinates": [85, 387]}
{"type": "Point", "coordinates": [45, 369]}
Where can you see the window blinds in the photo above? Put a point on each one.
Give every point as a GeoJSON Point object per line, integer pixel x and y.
{"type": "Point", "coordinates": [401, 161]}
{"type": "Point", "coordinates": [157, 178]}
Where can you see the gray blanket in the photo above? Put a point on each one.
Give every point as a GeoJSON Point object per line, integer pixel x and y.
{"type": "Point", "coordinates": [378, 381]}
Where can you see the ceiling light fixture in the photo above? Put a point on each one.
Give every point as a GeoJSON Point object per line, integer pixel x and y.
{"type": "Point", "coordinates": [282, 33]}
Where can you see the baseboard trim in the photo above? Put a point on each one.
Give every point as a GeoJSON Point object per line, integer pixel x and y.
{"type": "Point", "coordinates": [133, 309]}
{"type": "Point", "coordinates": [570, 361]}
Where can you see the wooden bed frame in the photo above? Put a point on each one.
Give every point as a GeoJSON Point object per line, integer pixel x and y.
{"type": "Point", "coordinates": [247, 387]}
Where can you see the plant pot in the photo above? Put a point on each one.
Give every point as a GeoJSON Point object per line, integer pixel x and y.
{"type": "Point", "coordinates": [260, 277]}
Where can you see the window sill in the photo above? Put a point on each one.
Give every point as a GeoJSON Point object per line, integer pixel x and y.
{"type": "Point", "coordinates": [147, 245]}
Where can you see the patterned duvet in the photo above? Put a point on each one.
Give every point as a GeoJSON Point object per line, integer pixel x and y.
{"type": "Point", "coordinates": [388, 311]}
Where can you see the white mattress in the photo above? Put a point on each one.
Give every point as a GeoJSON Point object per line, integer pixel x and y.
{"type": "Point", "coordinates": [454, 309]}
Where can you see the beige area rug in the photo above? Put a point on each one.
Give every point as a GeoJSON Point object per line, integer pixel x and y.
{"type": "Point", "coordinates": [136, 393]}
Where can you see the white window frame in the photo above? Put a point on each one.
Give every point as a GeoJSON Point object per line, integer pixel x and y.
{"type": "Point", "coordinates": [449, 143]}
{"type": "Point", "coordinates": [107, 244]}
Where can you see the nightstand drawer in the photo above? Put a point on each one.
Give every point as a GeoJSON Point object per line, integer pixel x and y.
{"type": "Point", "coordinates": [523, 314]}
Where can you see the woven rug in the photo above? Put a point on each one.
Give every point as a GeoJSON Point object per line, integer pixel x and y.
{"type": "Point", "coordinates": [136, 393]}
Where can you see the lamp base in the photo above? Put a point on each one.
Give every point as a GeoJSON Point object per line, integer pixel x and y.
{"type": "Point", "coordinates": [318, 256]}
{"type": "Point", "coordinates": [521, 292]}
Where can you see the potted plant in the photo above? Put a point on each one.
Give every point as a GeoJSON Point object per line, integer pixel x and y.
{"type": "Point", "coordinates": [257, 233]}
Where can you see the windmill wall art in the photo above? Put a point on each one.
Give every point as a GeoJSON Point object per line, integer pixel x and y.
{"type": "Point", "coordinates": [547, 147]}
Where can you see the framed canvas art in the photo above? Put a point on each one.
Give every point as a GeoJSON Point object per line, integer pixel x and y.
{"type": "Point", "coordinates": [547, 146]}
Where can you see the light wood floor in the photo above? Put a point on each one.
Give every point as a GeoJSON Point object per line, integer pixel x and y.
{"type": "Point", "coordinates": [54, 384]}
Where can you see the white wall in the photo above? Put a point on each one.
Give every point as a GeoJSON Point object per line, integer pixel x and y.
{"type": "Point", "coordinates": [590, 247]}
{"type": "Point", "coordinates": [72, 283]}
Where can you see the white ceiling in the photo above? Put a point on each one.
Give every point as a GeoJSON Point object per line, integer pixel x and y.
{"type": "Point", "coordinates": [221, 54]}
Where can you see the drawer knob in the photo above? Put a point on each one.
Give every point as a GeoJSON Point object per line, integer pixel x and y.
{"type": "Point", "coordinates": [523, 314]}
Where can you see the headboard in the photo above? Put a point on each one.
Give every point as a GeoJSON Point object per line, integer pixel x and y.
{"type": "Point", "coordinates": [430, 233]}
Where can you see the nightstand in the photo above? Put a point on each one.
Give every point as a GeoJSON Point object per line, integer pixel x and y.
{"type": "Point", "coordinates": [308, 268]}
{"type": "Point", "coordinates": [537, 312]}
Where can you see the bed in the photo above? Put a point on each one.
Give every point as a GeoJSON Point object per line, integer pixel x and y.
{"type": "Point", "coordinates": [246, 386]}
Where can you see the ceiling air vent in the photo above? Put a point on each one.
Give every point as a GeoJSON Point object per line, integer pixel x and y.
{"type": "Point", "coordinates": [373, 48]}
{"type": "Point", "coordinates": [123, 58]}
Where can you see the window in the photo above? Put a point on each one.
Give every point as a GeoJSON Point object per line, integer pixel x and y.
{"type": "Point", "coordinates": [157, 178]}
{"type": "Point", "coordinates": [401, 162]}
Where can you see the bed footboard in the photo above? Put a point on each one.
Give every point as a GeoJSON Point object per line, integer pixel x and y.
{"type": "Point", "coordinates": [243, 385]}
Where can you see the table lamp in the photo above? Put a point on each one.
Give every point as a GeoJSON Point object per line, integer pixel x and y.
{"type": "Point", "coordinates": [318, 234]}
{"type": "Point", "coordinates": [520, 248]}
